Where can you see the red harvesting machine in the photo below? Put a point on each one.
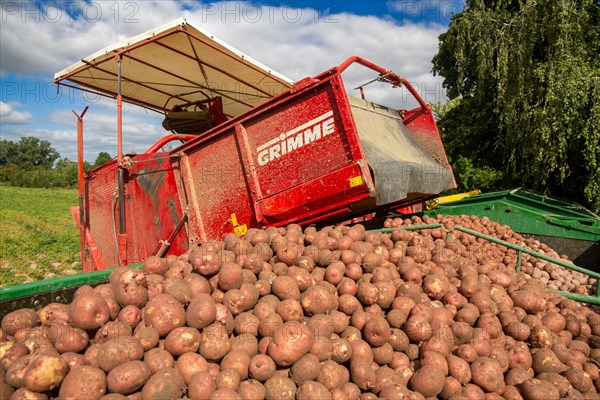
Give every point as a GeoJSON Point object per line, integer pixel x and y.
{"type": "Point", "coordinates": [254, 149]}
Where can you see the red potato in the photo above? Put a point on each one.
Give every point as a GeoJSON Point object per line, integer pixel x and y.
{"type": "Point", "coordinates": [89, 311]}
{"type": "Point", "coordinates": [112, 330]}
{"type": "Point", "coordinates": [345, 319]}
{"type": "Point", "coordinates": [376, 331]}
{"type": "Point", "coordinates": [290, 342]}
{"type": "Point", "coordinates": [459, 369]}
{"type": "Point", "coordinates": [182, 340]}
{"type": "Point", "coordinates": [230, 276]}
{"type": "Point", "coordinates": [19, 319]}
{"type": "Point", "coordinates": [201, 386]}
{"type": "Point", "coordinates": [429, 381]}
{"type": "Point", "coordinates": [318, 299]}
{"type": "Point", "coordinates": [120, 350]}
{"type": "Point", "coordinates": [131, 288]}
{"type": "Point", "coordinates": [44, 372]}
{"type": "Point", "coordinates": [536, 389]}
{"type": "Point", "coordinates": [164, 313]}
{"type": "Point", "coordinates": [261, 367]}
{"type": "Point", "coordinates": [128, 377]}
{"type": "Point", "coordinates": [157, 359]}
{"type": "Point", "coordinates": [528, 301]}
{"type": "Point", "coordinates": [164, 384]}
{"type": "Point", "coordinates": [214, 343]}
{"type": "Point", "coordinates": [130, 315]}
{"type": "Point", "coordinates": [53, 313]}
{"type": "Point", "coordinates": [84, 382]}
{"type": "Point", "coordinates": [487, 374]}
{"type": "Point", "coordinates": [280, 388]}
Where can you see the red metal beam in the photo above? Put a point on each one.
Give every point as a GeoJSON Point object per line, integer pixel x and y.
{"type": "Point", "coordinates": [395, 79]}
{"type": "Point", "coordinates": [166, 139]}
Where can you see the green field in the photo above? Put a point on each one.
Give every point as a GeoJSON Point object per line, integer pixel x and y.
{"type": "Point", "coordinates": [38, 238]}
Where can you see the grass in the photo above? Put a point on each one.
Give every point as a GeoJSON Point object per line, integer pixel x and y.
{"type": "Point", "coordinates": [38, 238]}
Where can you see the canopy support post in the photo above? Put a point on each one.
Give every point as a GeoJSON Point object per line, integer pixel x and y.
{"type": "Point", "coordinates": [80, 185]}
{"type": "Point", "coordinates": [122, 239]}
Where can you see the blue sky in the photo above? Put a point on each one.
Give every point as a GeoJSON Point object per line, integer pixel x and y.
{"type": "Point", "coordinates": [296, 38]}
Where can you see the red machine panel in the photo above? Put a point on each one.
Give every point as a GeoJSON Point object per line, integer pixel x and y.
{"type": "Point", "coordinates": [286, 162]}
{"type": "Point", "coordinates": [152, 212]}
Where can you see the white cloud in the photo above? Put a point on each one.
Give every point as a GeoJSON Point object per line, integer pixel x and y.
{"type": "Point", "coordinates": [8, 114]}
{"type": "Point", "coordinates": [100, 132]}
{"type": "Point", "coordinates": [297, 42]}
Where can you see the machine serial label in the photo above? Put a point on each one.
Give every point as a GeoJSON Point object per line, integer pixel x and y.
{"type": "Point", "coordinates": [305, 134]}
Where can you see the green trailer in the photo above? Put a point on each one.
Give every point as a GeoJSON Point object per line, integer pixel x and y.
{"type": "Point", "coordinates": [563, 225]}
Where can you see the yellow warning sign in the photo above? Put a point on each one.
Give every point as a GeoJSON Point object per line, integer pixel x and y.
{"type": "Point", "coordinates": [240, 230]}
{"type": "Point", "coordinates": [357, 180]}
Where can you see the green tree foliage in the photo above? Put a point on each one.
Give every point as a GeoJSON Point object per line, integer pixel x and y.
{"type": "Point", "coordinates": [465, 154]}
{"type": "Point", "coordinates": [31, 162]}
{"type": "Point", "coordinates": [103, 157]}
{"type": "Point", "coordinates": [28, 152]}
{"type": "Point", "coordinates": [527, 74]}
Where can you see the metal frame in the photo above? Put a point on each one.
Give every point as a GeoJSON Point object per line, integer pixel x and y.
{"type": "Point", "coordinates": [156, 39]}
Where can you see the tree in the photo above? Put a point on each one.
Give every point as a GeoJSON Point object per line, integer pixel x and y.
{"type": "Point", "coordinates": [68, 171]}
{"type": "Point", "coordinates": [528, 76]}
{"type": "Point", "coordinates": [28, 152]}
{"type": "Point", "coordinates": [103, 157]}
{"type": "Point", "coordinates": [8, 151]}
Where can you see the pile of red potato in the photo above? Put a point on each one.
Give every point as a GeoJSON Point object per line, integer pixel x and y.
{"type": "Point", "coordinates": [340, 313]}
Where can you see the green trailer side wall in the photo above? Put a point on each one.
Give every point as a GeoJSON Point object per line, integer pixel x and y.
{"type": "Point", "coordinates": [39, 294]}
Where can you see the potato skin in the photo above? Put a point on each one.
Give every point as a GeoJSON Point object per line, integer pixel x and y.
{"type": "Point", "coordinates": [290, 342]}
{"type": "Point", "coordinates": [201, 386]}
{"type": "Point", "coordinates": [214, 343]}
{"type": "Point", "coordinates": [182, 340]}
{"type": "Point", "coordinates": [129, 377]}
{"type": "Point", "coordinates": [165, 384]}
{"type": "Point", "coordinates": [487, 374]}
{"type": "Point", "coordinates": [164, 313]}
{"type": "Point", "coordinates": [280, 388]}
{"type": "Point", "coordinates": [189, 364]}
{"type": "Point", "coordinates": [201, 311]}
{"type": "Point", "coordinates": [376, 331]}
{"type": "Point", "coordinates": [19, 319]}
{"type": "Point", "coordinates": [130, 289]}
{"type": "Point", "coordinates": [428, 380]}
{"type": "Point", "coordinates": [312, 390]}
{"type": "Point", "coordinates": [89, 311]}
{"type": "Point", "coordinates": [84, 382]}
{"type": "Point", "coordinates": [262, 367]}
{"type": "Point", "coordinates": [45, 372]}
{"type": "Point", "coordinates": [119, 351]}
{"type": "Point", "coordinates": [536, 389]}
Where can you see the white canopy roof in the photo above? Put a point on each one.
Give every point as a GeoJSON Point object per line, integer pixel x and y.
{"type": "Point", "coordinates": [174, 64]}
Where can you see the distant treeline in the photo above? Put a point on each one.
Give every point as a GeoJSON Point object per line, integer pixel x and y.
{"type": "Point", "coordinates": [32, 162]}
